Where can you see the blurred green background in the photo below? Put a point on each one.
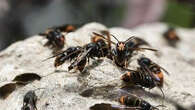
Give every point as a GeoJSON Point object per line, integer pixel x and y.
{"type": "Point", "coordinates": [179, 14]}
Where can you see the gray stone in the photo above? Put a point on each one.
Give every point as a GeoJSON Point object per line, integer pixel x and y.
{"type": "Point", "coordinates": [62, 88]}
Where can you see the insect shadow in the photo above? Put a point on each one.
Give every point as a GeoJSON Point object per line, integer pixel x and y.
{"type": "Point", "coordinates": [94, 64]}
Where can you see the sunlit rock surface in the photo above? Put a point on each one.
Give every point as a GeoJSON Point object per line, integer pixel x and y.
{"type": "Point", "coordinates": [101, 80]}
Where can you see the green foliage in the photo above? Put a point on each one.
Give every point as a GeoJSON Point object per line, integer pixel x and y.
{"type": "Point", "coordinates": [179, 14]}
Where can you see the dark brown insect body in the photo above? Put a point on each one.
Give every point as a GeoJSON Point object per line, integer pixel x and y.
{"type": "Point", "coordinates": [69, 54]}
{"type": "Point", "coordinates": [55, 38]}
{"type": "Point", "coordinates": [123, 50]}
{"type": "Point", "coordinates": [134, 101]}
{"type": "Point", "coordinates": [107, 106]}
{"type": "Point", "coordinates": [153, 69]}
{"type": "Point", "coordinates": [80, 62]}
{"type": "Point", "coordinates": [148, 75]}
{"type": "Point", "coordinates": [171, 36]}
{"type": "Point", "coordinates": [65, 28]}
{"type": "Point", "coordinates": [96, 49]}
{"type": "Point", "coordinates": [139, 78]}
{"type": "Point", "coordinates": [29, 101]}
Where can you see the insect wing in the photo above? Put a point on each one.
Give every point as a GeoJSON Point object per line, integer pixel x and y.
{"type": "Point", "coordinates": [6, 90]}
{"type": "Point", "coordinates": [27, 77]}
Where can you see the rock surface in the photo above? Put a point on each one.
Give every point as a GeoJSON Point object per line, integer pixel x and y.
{"type": "Point", "coordinates": [102, 78]}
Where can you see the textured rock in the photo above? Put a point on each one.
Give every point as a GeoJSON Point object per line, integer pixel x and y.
{"type": "Point", "coordinates": [102, 78]}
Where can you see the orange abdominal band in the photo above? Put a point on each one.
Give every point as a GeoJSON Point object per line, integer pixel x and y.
{"type": "Point", "coordinates": [96, 38]}
{"type": "Point", "coordinates": [122, 100]}
{"type": "Point", "coordinates": [125, 75]}
{"type": "Point", "coordinates": [172, 35]}
{"type": "Point", "coordinates": [161, 77]}
{"type": "Point", "coordinates": [70, 28]}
